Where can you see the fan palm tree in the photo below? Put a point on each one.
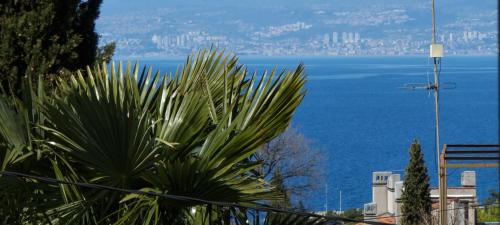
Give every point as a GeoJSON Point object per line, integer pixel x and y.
{"type": "Point", "coordinates": [24, 200]}
{"type": "Point", "coordinates": [189, 134]}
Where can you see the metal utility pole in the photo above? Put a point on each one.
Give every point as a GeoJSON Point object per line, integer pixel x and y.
{"type": "Point", "coordinates": [436, 52]}
{"type": "Point", "coordinates": [436, 79]}
{"type": "Point", "coordinates": [326, 199]}
{"type": "Point", "coordinates": [340, 201]}
{"type": "Point", "coordinates": [435, 86]}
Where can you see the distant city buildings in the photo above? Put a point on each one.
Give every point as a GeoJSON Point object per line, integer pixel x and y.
{"type": "Point", "coordinates": [342, 33]}
{"type": "Point", "coordinates": [357, 38]}
{"type": "Point", "coordinates": [329, 43]}
{"type": "Point", "coordinates": [273, 31]}
{"type": "Point", "coordinates": [335, 38]}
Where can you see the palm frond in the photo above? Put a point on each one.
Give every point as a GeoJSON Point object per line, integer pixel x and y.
{"type": "Point", "coordinates": [23, 200]}
{"type": "Point", "coordinates": [190, 134]}
{"type": "Point", "coordinates": [98, 121]}
{"type": "Point", "coordinates": [233, 117]}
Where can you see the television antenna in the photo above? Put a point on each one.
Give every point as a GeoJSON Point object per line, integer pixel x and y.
{"type": "Point", "coordinates": [436, 53]}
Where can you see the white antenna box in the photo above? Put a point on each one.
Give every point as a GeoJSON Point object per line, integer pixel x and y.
{"type": "Point", "coordinates": [436, 50]}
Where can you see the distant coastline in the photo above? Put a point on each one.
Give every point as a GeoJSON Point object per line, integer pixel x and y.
{"type": "Point", "coordinates": [183, 57]}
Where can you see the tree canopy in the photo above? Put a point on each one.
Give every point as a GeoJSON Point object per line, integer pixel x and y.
{"type": "Point", "coordinates": [291, 160]}
{"type": "Point", "coordinates": [46, 37]}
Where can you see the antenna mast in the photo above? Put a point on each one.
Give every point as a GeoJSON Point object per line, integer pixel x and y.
{"type": "Point", "coordinates": [436, 52]}
{"type": "Point", "coordinates": [433, 23]}
{"type": "Point", "coordinates": [326, 199]}
{"type": "Point", "coordinates": [436, 58]}
{"type": "Point", "coordinates": [340, 201]}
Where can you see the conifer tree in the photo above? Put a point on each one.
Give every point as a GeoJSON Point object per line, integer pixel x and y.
{"type": "Point", "coordinates": [416, 198]}
{"type": "Point", "coordinates": [45, 37]}
{"type": "Point", "coordinates": [88, 12]}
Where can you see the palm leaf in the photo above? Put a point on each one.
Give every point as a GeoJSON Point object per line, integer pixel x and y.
{"type": "Point", "coordinates": [190, 134]}
{"type": "Point", "coordinates": [101, 125]}
{"type": "Point", "coordinates": [23, 200]}
{"type": "Point", "coordinates": [213, 164]}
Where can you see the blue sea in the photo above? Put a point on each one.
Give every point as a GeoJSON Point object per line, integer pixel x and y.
{"type": "Point", "coordinates": [362, 121]}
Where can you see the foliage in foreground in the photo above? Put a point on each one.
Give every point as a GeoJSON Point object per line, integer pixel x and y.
{"type": "Point", "coordinates": [491, 211]}
{"type": "Point", "coordinates": [47, 37]}
{"type": "Point", "coordinates": [192, 134]}
{"type": "Point", "coordinates": [488, 214]}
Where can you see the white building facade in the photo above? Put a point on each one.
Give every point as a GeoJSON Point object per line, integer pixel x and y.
{"type": "Point", "coordinates": [387, 189]}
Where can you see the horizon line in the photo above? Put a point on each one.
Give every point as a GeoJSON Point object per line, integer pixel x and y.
{"type": "Point", "coordinates": [182, 57]}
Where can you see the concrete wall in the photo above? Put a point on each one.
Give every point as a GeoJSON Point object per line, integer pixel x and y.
{"type": "Point", "coordinates": [468, 179]}
{"type": "Point", "coordinates": [391, 196]}
{"type": "Point", "coordinates": [398, 191]}
{"type": "Point", "coordinates": [370, 211]}
{"type": "Point", "coordinates": [379, 190]}
{"type": "Point", "coordinates": [463, 193]}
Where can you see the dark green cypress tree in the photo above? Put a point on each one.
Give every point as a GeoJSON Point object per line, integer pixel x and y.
{"type": "Point", "coordinates": [416, 198]}
{"type": "Point", "coordinates": [45, 38]}
{"type": "Point", "coordinates": [34, 40]}
{"type": "Point", "coordinates": [88, 12]}
{"type": "Point", "coordinates": [105, 53]}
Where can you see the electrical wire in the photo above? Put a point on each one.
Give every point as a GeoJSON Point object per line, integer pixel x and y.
{"type": "Point", "coordinates": [439, 70]}
{"type": "Point", "coordinates": [445, 210]}
{"type": "Point", "coordinates": [263, 208]}
{"type": "Point", "coordinates": [427, 71]}
{"type": "Point", "coordinates": [226, 204]}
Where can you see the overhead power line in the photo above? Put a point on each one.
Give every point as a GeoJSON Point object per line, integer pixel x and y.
{"type": "Point", "coordinates": [445, 210]}
{"type": "Point", "coordinates": [185, 198]}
